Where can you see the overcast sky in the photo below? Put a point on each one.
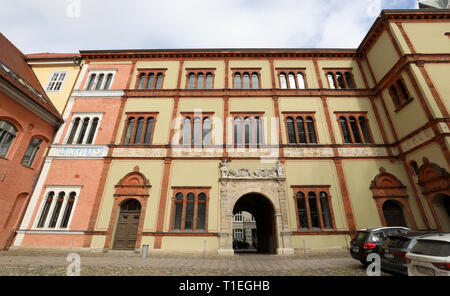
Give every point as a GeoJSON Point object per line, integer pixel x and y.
{"type": "Point", "coordinates": [73, 25]}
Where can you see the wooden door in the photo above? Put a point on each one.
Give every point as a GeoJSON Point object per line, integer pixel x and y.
{"type": "Point", "coordinates": [393, 214]}
{"type": "Point", "coordinates": [127, 227]}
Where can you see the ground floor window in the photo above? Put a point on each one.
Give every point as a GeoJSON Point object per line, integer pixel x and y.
{"type": "Point", "coordinates": [189, 208]}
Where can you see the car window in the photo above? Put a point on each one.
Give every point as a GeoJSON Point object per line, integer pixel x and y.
{"type": "Point", "coordinates": [397, 242]}
{"type": "Point", "coordinates": [432, 248]}
{"type": "Point", "coordinates": [377, 237]}
{"type": "Point", "coordinates": [360, 236]}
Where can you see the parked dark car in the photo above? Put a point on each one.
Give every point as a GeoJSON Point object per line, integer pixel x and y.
{"type": "Point", "coordinates": [393, 251]}
{"type": "Point", "coordinates": [368, 241]}
{"type": "Point", "coordinates": [238, 244]}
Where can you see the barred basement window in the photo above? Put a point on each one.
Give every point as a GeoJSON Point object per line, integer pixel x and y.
{"type": "Point", "coordinates": [57, 208]}
{"type": "Point", "coordinates": [31, 152]}
{"type": "Point", "coordinates": [300, 128]}
{"type": "Point", "coordinates": [7, 135]}
{"type": "Point", "coordinates": [56, 81]}
{"type": "Point", "coordinates": [313, 205]}
{"type": "Point", "coordinates": [355, 128]}
{"type": "Point", "coordinates": [189, 208]}
{"type": "Point", "coordinates": [84, 128]}
{"type": "Point", "coordinates": [139, 128]}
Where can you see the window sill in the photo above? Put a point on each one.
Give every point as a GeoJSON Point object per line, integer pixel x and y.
{"type": "Point", "coordinates": [400, 107]}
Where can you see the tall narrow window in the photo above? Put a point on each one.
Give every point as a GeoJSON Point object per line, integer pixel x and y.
{"type": "Point", "coordinates": [108, 82]}
{"type": "Point", "coordinates": [200, 81]}
{"type": "Point", "coordinates": [301, 130]}
{"type": "Point", "coordinates": [129, 130]}
{"type": "Point", "coordinates": [99, 81]}
{"type": "Point", "coordinates": [197, 136]}
{"type": "Point", "coordinates": [68, 210]}
{"type": "Point", "coordinates": [292, 83]}
{"type": "Point", "coordinates": [311, 130]}
{"type": "Point", "coordinates": [209, 81]}
{"type": "Point", "coordinates": [191, 82]}
{"type": "Point", "coordinates": [142, 80]}
{"type": "Point", "coordinates": [139, 128]}
{"type": "Point", "coordinates": [206, 131]}
{"type": "Point", "coordinates": [364, 129]}
{"type": "Point", "coordinates": [246, 81]}
{"type": "Point", "coordinates": [91, 135]}
{"type": "Point", "coordinates": [355, 130]}
{"type": "Point", "coordinates": [301, 81]}
{"type": "Point", "coordinates": [190, 205]}
{"type": "Point", "coordinates": [301, 208]}
{"type": "Point", "coordinates": [238, 131]}
{"type": "Point", "coordinates": [326, 216]}
{"type": "Point", "coordinates": [340, 80]}
{"type": "Point", "coordinates": [201, 211]}
{"type": "Point", "coordinates": [178, 213]}
{"type": "Point", "coordinates": [403, 90]}
{"type": "Point", "coordinates": [345, 130]}
{"type": "Point", "coordinates": [56, 210]}
{"type": "Point", "coordinates": [159, 79]}
{"type": "Point", "coordinates": [46, 209]}
{"type": "Point", "coordinates": [151, 79]}
{"type": "Point", "coordinates": [313, 212]}
{"type": "Point", "coordinates": [7, 134]}
{"type": "Point", "coordinates": [349, 80]}
{"type": "Point", "coordinates": [91, 81]}
{"type": "Point", "coordinates": [291, 130]}
{"type": "Point", "coordinates": [149, 130]}
{"type": "Point", "coordinates": [330, 77]}
{"type": "Point", "coordinates": [255, 81]}
{"type": "Point", "coordinates": [187, 131]}
{"type": "Point", "coordinates": [248, 130]}
{"type": "Point", "coordinates": [237, 80]}
{"type": "Point", "coordinates": [395, 96]}
{"type": "Point", "coordinates": [31, 151]}
{"type": "Point", "coordinates": [83, 130]}
{"type": "Point", "coordinates": [258, 134]}
{"type": "Point", "coordinates": [283, 81]}
{"type": "Point", "coordinates": [75, 125]}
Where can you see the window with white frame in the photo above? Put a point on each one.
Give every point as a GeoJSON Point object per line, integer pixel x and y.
{"type": "Point", "coordinates": [83, 128]}
{"type": "Point", "coordinates": [238, 234]}
{"type": "Point", "coordinates": [238, 217]}
{"type": "Point", "coordinates": [56, 81]}
{"type": "Point", "coordinates": [57, 207]}
{"type": "Point", "coordinates": [100, 80]}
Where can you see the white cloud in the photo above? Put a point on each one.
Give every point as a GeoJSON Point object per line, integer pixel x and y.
{"type": "Point", "coordinates": [44, 26]}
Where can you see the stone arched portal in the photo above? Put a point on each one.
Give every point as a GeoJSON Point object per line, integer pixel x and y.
{"type": "Point", "coordinates": [267, 183]}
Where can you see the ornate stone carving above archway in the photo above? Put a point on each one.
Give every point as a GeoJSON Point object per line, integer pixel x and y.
{"type": "Point", "coordinates": [269, 183]}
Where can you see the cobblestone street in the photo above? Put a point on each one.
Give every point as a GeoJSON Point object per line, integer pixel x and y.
{"type": "Point", "coordinates": [131, 264]}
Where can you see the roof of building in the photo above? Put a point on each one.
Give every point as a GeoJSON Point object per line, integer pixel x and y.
{"type": "Point", "coordinates": [15, 70]}
{"type": "Point", "coordinates": [49, 55]}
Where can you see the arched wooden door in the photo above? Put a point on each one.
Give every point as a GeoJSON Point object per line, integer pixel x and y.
{"type": "Point", "coordinates": [393, 214]}
{"type": "Point", "coordinates": [127, 225]}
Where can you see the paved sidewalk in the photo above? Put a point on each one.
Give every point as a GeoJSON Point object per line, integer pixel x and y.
{"type": "Point", "coordinates": [180, 265]}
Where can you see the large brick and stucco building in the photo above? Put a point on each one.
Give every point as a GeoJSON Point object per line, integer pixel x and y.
{"type": "Point", "coordinates": [162, 147]}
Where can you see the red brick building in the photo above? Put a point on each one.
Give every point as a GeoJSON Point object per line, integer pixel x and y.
{"type": "Point", "coordinates": [28, 122]}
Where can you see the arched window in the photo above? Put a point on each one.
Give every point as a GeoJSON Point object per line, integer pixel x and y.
{"type": "Point", "coordinates": [142, 79]}
{"type": "Point", "coordinates": [7, 134]}
{"type": "Point", "coordinates": [190, 205]}
{"type": "Point", "coordinates": [248, 130]}
{"type": "Point", "coordinates": [395, 96]}
{"type": "Point", "coordinates": [326, 215]}
{"type": "Point", "coordinates": [313, 212]}
{"type": "Point", "coordinates": [246, 81]}
{"type": "Point", "coordinates": [331, 81]}
{"type": "Point", "coordinates": [403, 90]}
{"type": "Point", "coordinates": [259, 136]}
{"type": "Point", "coordinates": [159, 79]}
{"type": "Point", "coordinates": [151, 79]}
{"type": "Point", "coordinates": [201, 211]}
{"type": "Point", "coordinates": [311, 130]}
{"type": "Point", "coordinates": [83, 130]}
{"type": "Point", "coordinates": [349, 80]}
{"type": "Point", "coordinates": [149, 130]}
{"type": "Point", "coordinates": [364, 129]}
{"type": "Point", "coordinates": [292, 83]}
{"type": "Point", "coordinates": [108, 82]}
{"type": "Point", "coordinates": [237, 80]}
{"type": "Point", "coordinates": [45, 210]}
{"type": "Point", "coordinates": [191, 82]}
{"type": "Point", "coordinates": [206, 131]}
{"type": "Point", "coordinates": [178, 212]}
{"type": "Point", "coordinates": [255, 81]}
{"type": "Point", "coordinates": [190, 209]}
{"type": "Point", "coordinates": [91, 135]}
{"type": "Point", "coordinates": [238, 131]}
{"type": "Point", "coordinates": [209, 81]}
{"type": "Point", "coordinates": [91, 82]}
{"type": "Point", "coordinates": [56, 210]}
{"type": "Point", "coordinates": [340, 80]}
{"type": "Point", "coordinates": [345, 130]}
{"type": "Point", "coordinates": [31, 151]}
{"type": "Point", "coordinates": [68, 210]}
{"type": "Point", "coordinates": [139, 128]}
{"type": "Point", "coordinates": [301, 130]}
{"type": "Point", "coordinates": [291, 130]}
{"type": "Point", "coordinates": [75, 125]}
{"type": "Point", "coordinates": [301, 208]}
{"type": "Point", "coordinates": [99, 81]}
{"type": "Point", "coordinates": [283, 81]}
{"type": "Point", "coordinates": [355, 130]}
{"type": "Point", "coordinates": [187, 131]}
{"type": "Point", "coordinates": [301, 81]}
{"type": "Point", "coordinates": [129, 130]}
{"type": "Point", "coordinates": [197, 136]}
{"type": "Point", "coordinates": [200, 80]}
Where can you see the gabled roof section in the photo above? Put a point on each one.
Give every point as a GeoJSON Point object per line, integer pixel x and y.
{"type": "Point", "coordinates": [15, 70]}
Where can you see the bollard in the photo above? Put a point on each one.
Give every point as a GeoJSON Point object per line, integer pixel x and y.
{"type": "Point", "coordinates": [144, 252]}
